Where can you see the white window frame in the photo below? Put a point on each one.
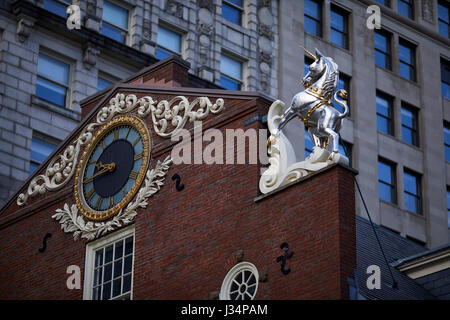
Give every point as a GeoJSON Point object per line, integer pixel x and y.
{"type": "Point", "coordinates": [90, 258]}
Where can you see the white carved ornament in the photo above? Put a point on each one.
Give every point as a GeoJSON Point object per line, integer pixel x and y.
{"type": "Point", "coordinates": [72, 221]}
{"type": "Point", "coordinates": [176, 111]}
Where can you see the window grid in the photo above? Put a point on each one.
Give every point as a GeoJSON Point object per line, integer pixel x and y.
{"type": "Point", "coordinates": [383, 49]}
{"type": "Point", "coordinates": [232, 10]}
{"type": "Point", "coordinates": [385, 121]}
{"type": "Point", "coordinates": [339, 31]}
{"type": "Point", "coordinates": [384, 2]}
{"type": "Point", "coordinates": [448, 206]}
{"type": "Point", "coordinates": [113, 266]}
{"type": "Point", "coordinates": [387, 184]}
{"type": "Point", "coordinates": [162, 49]}
{"type": "Point", "coordinates": [313, 24]}
{"type": "Point", "coordinates": [412, 191]}
{"type": "Point", "coordinates": [58, 7]}
{"type": "Point", "coordinates": [445, 78]}
{"type": "Point", "coordinates": [113, 30]}
{"type": "Point", "coordinates": [447, 141]}
{"type": "Point", "coordinates": [410, 132]}
{"type": "Point", "coordinates": [406, 8]}
{"type": "Point", "coordinates": [443, 18]}
{"type": "Point", "coordinates": [227, 80]}
{"type": "Point", "coordinates": [407, 58]}
{"type": "Point", "coordinates": [48, 84]}
{"type": "Point", "coordinates": [41, 148]}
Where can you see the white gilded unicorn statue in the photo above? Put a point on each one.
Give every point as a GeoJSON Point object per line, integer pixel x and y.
{"type": "Point", "coordinates": [314, 107]}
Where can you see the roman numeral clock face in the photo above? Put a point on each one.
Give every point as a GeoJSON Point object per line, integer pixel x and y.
{"type": "Point", "coordinates": [112, 167]}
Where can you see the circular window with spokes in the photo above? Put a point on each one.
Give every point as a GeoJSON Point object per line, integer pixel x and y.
{"type": "Point", "coordinates": [240, 283]}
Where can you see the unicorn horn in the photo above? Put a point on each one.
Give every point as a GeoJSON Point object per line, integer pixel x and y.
{"type": "Point", "coordinates": [309, 53]}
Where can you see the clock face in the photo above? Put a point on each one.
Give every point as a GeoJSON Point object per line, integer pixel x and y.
{"type": "Point", "coordinates": [112, 168]}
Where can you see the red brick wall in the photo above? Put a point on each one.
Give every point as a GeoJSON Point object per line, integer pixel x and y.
{"type": "Point", "coordinates": [186, 241]}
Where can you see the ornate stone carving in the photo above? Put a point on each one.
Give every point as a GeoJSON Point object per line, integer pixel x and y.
{"type": "Point", "coordinates": [90, 56]}
{"type": "Point", "coordinates": [205, 28]}
{"type": "Point", "coordinates": [24, 27]}
{"type": "Point", "coordinates": [73, 222]}
{"type": "Point", "coordinates": [168, 118]}
{"type": "Point", "coordinates": [428, 10]}
{"type": "Point", "coordinates": [312, 106]}
{"type": "Point", "coordinates": [265, 31]}
{"type": "Point", "coordinates": [207, 4]}
{"type": "Point", "coordinates": [265, 23]}
{"type": "Point", "coordinates": [174, 8]}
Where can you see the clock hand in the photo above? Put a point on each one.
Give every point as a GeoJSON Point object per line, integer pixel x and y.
{"type": "Point", "coordinates": [106, 168]}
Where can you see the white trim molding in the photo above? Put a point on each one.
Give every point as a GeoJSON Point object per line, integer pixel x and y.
{"type": "Point", "coordinates": [425, 265]}
{"type": "Point", "coordinates": [90, 258]}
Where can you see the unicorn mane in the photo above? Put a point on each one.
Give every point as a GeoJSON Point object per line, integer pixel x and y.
{"type": "Point", "coordinates": [331, 82]}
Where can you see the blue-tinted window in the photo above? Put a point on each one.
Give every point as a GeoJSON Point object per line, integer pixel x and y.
{"type": "Point", "coordinates": [313, 17]}
{"type": "Point", "coordinates": [443, 18]}
{"type": "Point", "coordinates": [386, 181]}
{"type": "Point", "coordinates": [447, 141]}
{"type": "Point", "coordinates": [309, 144]}
{"type": "Point", "coordinates": [345, 148]}
{"type": "Point", "coordinates": [384, 114]}
{"type": "Point", "coordinates": [40, 150]}
{"type": "Point", "coordinates": [232, 11]}
{"type": "Point", "coordinates": [102, 84]}
{"type": "Point", "coordinates": [406, 8]}
{"type": "Point", "coordinates": [448, 207]}
{"type": "Point", "coordinates": [114, 21]}
{"type": "Point", "coordinates": [308, 62]}
{"type": "Point", "coordinates": [384, 2]}
{"type": "Point", "coordinates": [57, 7]}
{"type": "Point", "coordinates": [52, 80]}
{"type": "Point", "coordinates": [231, 73]}
{"type": "Point", "coordinates": [445, 78]}
{"type": "Point", "coordinates": [339, 27]}
{"type": "Point", "coordinates": [410, 132]}
{"type": "Point", "coordinates": [169, 43]}
{"type": "Point", "coordinates": [412, 192]}
{"type": "Point", "coordinates": [407, 59]}
{"type": "Point", "coordinates": [383, 49]}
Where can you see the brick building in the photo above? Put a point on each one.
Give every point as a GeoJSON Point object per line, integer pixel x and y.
{"type": "Point", "coordinates": [193, 231]}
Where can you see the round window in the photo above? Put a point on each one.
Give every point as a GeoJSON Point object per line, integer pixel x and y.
{"type": "Point", "coordinates": [240, 283]}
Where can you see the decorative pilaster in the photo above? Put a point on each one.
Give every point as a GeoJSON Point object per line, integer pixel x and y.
{"type": "Point", "coordinates": [265, 38]}
{"type": "Point", "coordinates": [205, 29]}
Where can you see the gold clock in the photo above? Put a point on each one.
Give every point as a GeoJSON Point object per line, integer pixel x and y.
{"type": "Point", "coordinates": [112, 168]}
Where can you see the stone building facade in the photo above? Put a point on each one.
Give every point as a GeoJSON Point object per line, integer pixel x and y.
{"type": "Point", "coordinates": [29, 28]}
{"type": "Point", "coordinates": [367, 80]}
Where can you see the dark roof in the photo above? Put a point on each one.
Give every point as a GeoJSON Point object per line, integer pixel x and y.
{"type": "Point", "coordinates": [395, 248]}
